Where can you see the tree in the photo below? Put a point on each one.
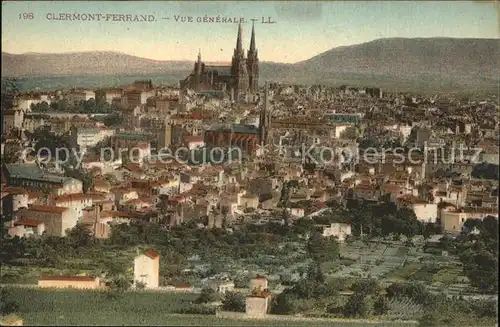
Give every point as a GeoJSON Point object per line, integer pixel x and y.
{"type": "Point", "coordinates": [10, 88]}
{"type": "Point", "coordinates": [79, 236]}
{"type": "Point", "coordinates": [8, 305]}
{"type": "Point", "coordinates": [322, 249]}
{"type": "Point", "coordinates": [303, 226]}
{"type": "Point", "coordinates": [225, 220]}
{"type": "Point", "coordinates": [207, 295]}
{"type": "Point", "coordinates": [367, 286]}
{"type": "Point", "coordinates": [415, 291]}
{"type": "Point", "coordinates": [162, 206]}
{"type": "Point", "coordinates": [114, 119]}
{"type": "Point", "coordinates": [314, 272]}
{"type": "Point", "coordinates": [381, 305]}
{"type": "Point", "coordinates": [350, 133]}
{"type": "Point", "coordinates": [233, 301]}
{"type": "Point", "coordinates": [358, 306]}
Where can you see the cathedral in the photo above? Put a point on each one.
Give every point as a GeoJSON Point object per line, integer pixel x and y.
{"type": "Point", "coordinates": [240, 79]}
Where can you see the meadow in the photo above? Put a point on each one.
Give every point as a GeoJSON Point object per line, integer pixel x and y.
{"type": "Point", "coordinates": [73, 307]}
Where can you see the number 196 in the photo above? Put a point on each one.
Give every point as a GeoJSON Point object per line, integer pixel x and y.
{"type": "Point", "coordinates": [26, 15]}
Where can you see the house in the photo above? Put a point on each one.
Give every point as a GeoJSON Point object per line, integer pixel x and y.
{"type": "Point", "coordinates": [147, 269]}
{"type": "Point", "coordinates": [453, 219]}
{"type": "Point", "coordinates": [79, 282]}
{"type": "Point", "coordinates": [338, 230]}
{"type": "Point", "coordinates": [108, 95]}
{"type": "Point", "coordinates": [123, 194]}
{"type": "Point", "coordinates": [27, 227]}
{"type": "Point", "coordinates": [89, 137]}
{"type": "Point", "coordinates": [31, 177]}
{"type": "Point", "coordinates": [76, 202]}
{"type": "Point", "coordinates": [257, 304]}
{"type": "Point", "coordinates": [249, 201]}
{"type": "Point", "coordinates": [13, 199]}
{"type": "Point", "coordinates": [77, 96]}
{"type": "Point", "coordinates": [101, 185]}
{"type": "Point", "coordinates": [55, 219]}
{"type": "Point", "coordinates": [137, 204]}
{"type": "Point", "coordinates": [98, 224]}
{"type": "Point", "coordinates": [425, 212]}
{"type": "Point", "coordinates": [222, 286]}
{"type": "Point", "coordinates": [194, 141]}
{"type": "Point", "coordinates": [296, 212]}
{"type": "Point", "coordinates": [259, 283]}
{"type": "Point", "coordinates": [12, 118]}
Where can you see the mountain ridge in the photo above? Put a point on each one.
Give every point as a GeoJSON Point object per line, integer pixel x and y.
{"type": "Point", "coordinates": [435, 62]}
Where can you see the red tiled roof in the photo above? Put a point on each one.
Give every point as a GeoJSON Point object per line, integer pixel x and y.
{"type": "Point", "coordinates": [152, 254]}
{"type": "Point", "coordinates": [193, 138]}
{"type": "Point", "coordinates": [72, 197]}
{"type": "Point", "coordinates": [69, 278]}
{"type": "Point", "coordinates": [28, 222]}
{"type": "Point", "coordinates": [52, 209]}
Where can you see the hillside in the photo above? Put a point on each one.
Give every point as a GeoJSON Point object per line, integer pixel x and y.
{"type": "Point", "coordinates": [85, 64]}
{"type": "Point", "coordinates": [430, 63]}
{"type": "Point", "coordinates": [464, 60]}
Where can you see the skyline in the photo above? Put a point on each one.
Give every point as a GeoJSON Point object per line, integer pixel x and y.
{"type": "Point", "coordinates": [294, 37]}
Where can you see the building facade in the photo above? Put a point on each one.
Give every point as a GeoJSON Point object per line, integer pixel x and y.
{"type": "Point", "coordinates": [147, 269]}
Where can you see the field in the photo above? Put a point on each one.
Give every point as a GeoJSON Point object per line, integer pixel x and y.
{"type": "Point", "coordinates": [72, 307]}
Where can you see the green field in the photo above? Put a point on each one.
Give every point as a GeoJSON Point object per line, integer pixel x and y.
{"type": "Point", "coordinates": [72, 307]}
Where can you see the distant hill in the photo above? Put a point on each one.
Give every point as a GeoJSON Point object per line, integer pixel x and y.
{"type": "Point", "coordinates": [85, 64]}
{"type": "Point", "coordinates": [429, 63]}
{"type": "Point", "coordinates": [466, 61]}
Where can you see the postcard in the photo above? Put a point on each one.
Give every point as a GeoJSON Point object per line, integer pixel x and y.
{"type": "Point", "coordinates": [250, 163]}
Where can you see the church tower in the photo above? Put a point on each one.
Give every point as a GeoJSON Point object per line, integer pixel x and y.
{"type": "Point", "coordinates": [197, 71]}
{"type": "Point", "coordinates": [264, 119]}
{"type": "Point", "coordinates": [239, 67]}
{"type": "Point", "coordinates": [253, 65]}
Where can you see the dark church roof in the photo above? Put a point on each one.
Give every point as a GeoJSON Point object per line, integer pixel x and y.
{"type": "Point", "coordinates": [221, 70]}
{"type": "Point", "coordinates": [236, 128]}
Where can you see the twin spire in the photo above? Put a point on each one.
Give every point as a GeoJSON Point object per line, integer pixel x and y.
{"type": "Point", "coordinates": [239, 42]}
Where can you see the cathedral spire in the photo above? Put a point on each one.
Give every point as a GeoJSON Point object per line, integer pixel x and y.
{"type": "Point", "coordinates": [199, 55]}
{"type": "Point", "coordinates": [239, 44]}
{"type": "Point", "coordinates": [252, 40]}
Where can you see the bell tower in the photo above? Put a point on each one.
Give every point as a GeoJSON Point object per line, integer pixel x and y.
{"type": "Point", "coordinates": [253, 65]}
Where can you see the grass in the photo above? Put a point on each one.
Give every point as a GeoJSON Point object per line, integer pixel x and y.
{"type": "Point", "coordinates": [73, 307]}
{"type": "Point", "coordinates": [406, 272]}
{"type": "Point", "coordinates": [447, 275]}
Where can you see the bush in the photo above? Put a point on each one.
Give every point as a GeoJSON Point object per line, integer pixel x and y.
{"type": "Point", "coordinates": [207, 295]}
{"type": "Point", "coordinates": [381, 306]}
{"type": "Point", "coordinates": [7, 303]}
{"type": "Point", "coordinates": [233, 301]}
{"type": "Point", "coordinates": [358, 306]}
{"type": "Point", "coordinates": [197, 310]}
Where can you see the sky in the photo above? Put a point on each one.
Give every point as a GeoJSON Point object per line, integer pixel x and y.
{"type": "Point", "coordinates": [301, 29]}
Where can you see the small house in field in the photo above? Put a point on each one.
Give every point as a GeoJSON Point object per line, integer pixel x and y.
{"type": "Point", "coordinates": [257, 304]}
{"type": "Point", "coordinates": [259, 283]}
{"type": "Point", "coordinates": [11, 320]}
{"type": "Point", "coordinates": [79, 282]}
{"type": "Point", "coordinates": [147, 269]}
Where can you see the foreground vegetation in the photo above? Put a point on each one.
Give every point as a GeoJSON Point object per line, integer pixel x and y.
{"type": "Point", "coordinates": [39, 307]}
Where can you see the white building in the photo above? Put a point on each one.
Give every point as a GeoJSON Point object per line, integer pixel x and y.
{"type": "Point", "coordinates": [147, 269]}
{"type": "Point", "coordinates": [78, 96]}
{"type": "Point", "coordinates": [339, 230]}
{"type": "Point", "coordinates": [426, 212]}
{"type": "Point", "coordinates": [89, 137]}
